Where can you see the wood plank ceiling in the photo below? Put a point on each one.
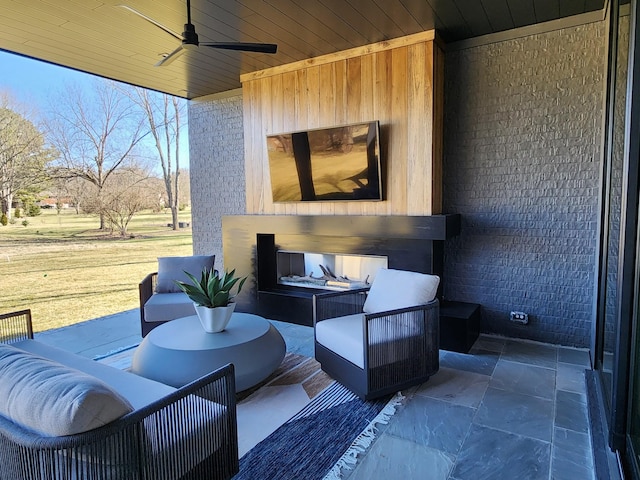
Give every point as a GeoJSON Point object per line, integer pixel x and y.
{"type": "Point", "coordinates": [101, 37]}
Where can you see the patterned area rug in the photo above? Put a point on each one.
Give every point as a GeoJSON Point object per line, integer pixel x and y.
{"type": "Point", "coordinates": [298, 423]}
{"type": "Point", "coordinates": [120, 358]}
{"type": "Point", "coordinates": [321, 440]}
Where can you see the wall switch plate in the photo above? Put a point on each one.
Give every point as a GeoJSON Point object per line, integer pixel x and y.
{"type": "Point", "coordinates": [519, 317]}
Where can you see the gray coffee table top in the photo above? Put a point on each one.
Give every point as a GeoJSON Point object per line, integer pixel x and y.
{"type": "Point", "coordinates": [180, 351]}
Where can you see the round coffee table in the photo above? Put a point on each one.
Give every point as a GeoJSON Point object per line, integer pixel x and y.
{"type": "Point", "coordinates": [180, 351]}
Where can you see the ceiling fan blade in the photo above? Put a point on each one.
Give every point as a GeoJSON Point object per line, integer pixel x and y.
{"type": "Point", "coordinates": [243, 47]}
{"type": "Point", "coordinates": [171, 57]}
{"type": "Point", "coordinates": [151, 20]}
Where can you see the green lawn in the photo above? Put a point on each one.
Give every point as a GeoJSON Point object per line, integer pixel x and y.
{"type": "Point", "coordinates": [66, 271]}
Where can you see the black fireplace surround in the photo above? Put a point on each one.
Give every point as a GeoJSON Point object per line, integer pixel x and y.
{"type": "Point", "coordinates": [251, 243]}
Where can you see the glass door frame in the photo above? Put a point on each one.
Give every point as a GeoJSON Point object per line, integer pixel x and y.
{"type": "Point", "coordinates": [630, 281]}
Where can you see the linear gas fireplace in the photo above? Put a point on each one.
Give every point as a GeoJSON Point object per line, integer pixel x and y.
{"type": "Point", "coordinates": [290, 258]}
{"type": "Point", "coordinates": [328, 271]}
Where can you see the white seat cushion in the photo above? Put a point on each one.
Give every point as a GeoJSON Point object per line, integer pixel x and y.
{"type": "Point", "coordinates": [344, 336]}
{"type": "Point", "coordinates": [162, 307]}
{"type": "Point", "coordinates": [52, 398]}
{"type": "Point", "coordinates": [394, 289]}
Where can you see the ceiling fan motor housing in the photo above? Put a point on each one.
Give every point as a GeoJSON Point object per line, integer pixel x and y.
{"type": "Point", "coordinates": [189, 36]}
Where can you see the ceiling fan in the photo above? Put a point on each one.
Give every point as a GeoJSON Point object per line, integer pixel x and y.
{"type": "Point", "coordinates": [189, 39]}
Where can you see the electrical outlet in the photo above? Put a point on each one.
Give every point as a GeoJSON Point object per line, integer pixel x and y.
{"type": "Point", "coordinates": [519, 317]}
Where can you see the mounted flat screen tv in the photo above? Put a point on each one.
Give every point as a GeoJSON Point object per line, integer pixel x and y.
{"type": "Point", "coordinates": [327, 164]}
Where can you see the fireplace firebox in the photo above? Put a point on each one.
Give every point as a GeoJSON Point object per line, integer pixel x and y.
{"type": "Point", "coordinates": [267, 248]}
{"type": "Point", "coordinates": [327, 270]}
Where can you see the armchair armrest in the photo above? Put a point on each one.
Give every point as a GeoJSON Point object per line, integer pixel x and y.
{"type": "Point", "coordinates": [338, 304]}
{"type": "Point", "coordinates": [15, 326]}
{"type": "Point", "coordinates": [406, 333]}
{"type": "Point", "coordinates": [191, 433]}
{"type": "Point", "coordinates": [146, 288]}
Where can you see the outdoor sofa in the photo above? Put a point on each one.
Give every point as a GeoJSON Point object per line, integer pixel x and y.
{"type": "Point", "coordinates": [57, 409]}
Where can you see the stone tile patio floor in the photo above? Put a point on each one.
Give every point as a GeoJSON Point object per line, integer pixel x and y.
{"type": "Point", "coordinates": [508, 410]}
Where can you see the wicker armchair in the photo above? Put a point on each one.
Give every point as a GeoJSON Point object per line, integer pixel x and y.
{"type": "Point", "coordinates": [374, 354]}
{"type": "Point", "coordinates": [146, 288]}
{"type": "Point", "coordinates": [160, 299]}
{"type": "Point", "coordinates": [189, 434]}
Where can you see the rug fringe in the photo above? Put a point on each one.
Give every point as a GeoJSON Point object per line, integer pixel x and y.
{"type": "Point", "coordinates": [363, 441]}
{"type": "Point", "coordinates": [115, 352]}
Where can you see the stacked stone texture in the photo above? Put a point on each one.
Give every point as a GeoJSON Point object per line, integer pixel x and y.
{"type": "Point", "coordinates": [216, 152]}
{"type": "Point", "coordinates": [523, 132]}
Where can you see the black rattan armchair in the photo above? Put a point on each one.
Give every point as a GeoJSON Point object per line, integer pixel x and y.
{"type": "Point", "coordinates": [374, 354]}
{"type": "Point", "coordinates": [146, 288]}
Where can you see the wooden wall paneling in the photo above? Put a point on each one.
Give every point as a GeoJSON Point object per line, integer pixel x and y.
{"type": "Point", "coordinates": [314, 120]}
{"type": "Point", "coordinates": [382, 111]}
{"type": "Point", "coordinates": [354, 101]}
{"type": "Point", "coordinates": [401, 86]}
{"type": "Point", "coordinates": [398, 134]}
{"type": "Point", "coordinates": [289, 101]}
{"type": "Point", "coordinates": [328, 105]}
{"type": "Point", "coordinates": [300, 118]}
{"type": "Point", "coordinates": [250, 100]}
{"type": "Point", "coordinates": [340, 108]}
{"type": "Point", "coordinates": [354, 95]}
{"type": "Point", "coordinates": [341, 113]}
{"type": "Point", "coordinates": [401, 42]}
{"type": "Point", "coordinates": [419, 129]}
{"type": "Point", "coordinates": [289, 124]}
{"type": "Point", "coordinates": [276, 124]}
{"type": "Point", "coordinates": [315, 96]}
{"type": "Point", "coordinates": [367, 81]}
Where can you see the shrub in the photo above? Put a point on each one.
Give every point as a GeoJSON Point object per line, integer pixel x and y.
{"type": "Point", "coordinates": [25, 223]}
{"type": "Point", "coordinates": [4, 220]}
{"type": "Point", "coordinates": [17, 213]}
{"type": "Point", "coordinates": [33, 210]}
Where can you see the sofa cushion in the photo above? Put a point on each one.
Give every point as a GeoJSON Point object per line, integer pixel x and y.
{"type": "Point", "coordinates": [162, 307]}
{"type": "Point", "coordinates": [395, 289]}
{"type": "Point", "coordinates": [52, 398]}
{"type": "Point", "coordinates": [171, 269]}
{"type": "Point", "coordinates": [138, 391]}
{"type": "Point", "coordinates": [344, 336]}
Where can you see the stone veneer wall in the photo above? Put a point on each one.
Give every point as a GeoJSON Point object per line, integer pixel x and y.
{"type": "Point", "coordinates": [216, 152]}
{"type": "Point", "coordinates": [523, 126]}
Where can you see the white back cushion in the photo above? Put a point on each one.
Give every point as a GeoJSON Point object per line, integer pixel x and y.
{"type": "Point", "coordinates": [53, 399]}
{"type": "Point", "coordinates": [171, 269]}
{"type": "Point", "coordinates": [394, 289]}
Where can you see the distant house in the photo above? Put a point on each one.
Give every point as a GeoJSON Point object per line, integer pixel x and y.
{"type": "Point", "coordinates": [51, 202]}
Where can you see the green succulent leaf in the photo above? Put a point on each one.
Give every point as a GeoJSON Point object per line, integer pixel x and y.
{"type": "Point", "coordinates": [212, 290]}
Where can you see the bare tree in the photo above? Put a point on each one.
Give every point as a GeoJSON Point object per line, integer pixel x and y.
{"type": "Point", "coordinates": [75, 189]}
{"type": "Point", "coordinates": [96, 135]}
{"type": "Point", "coordinates": [164, 115]}
{"type": "Point", "coordinates": [23, 154]}
{"type": "Point", "coordinates": [185, 188]}
{"type": "Point", "coordinates": [126, 193]}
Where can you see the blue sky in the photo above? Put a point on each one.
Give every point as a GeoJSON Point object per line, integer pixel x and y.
{"type": "Point", "coordinates": [31, 82]}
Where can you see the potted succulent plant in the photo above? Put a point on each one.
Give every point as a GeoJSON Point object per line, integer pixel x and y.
{"type": "Point", "coordinates": [212, 297]}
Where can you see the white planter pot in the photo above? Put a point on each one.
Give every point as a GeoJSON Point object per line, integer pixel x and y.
{"type": "Point", "coordinates": [214, 320]}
